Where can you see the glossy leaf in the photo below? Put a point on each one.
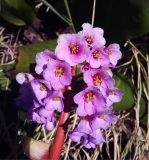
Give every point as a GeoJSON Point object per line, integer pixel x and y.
{"type": "Point", "coordinates": [128, 98]}
{"type": "Point", "coordinates": [28, 53]}
{"type": "Point", "coordinates": [144, 120]}
{"type": "Point", "coordinates": [120, 19]}
{"type": "Point", "coordinates": [12, 18]}
{"type": "Point", "coordinates": [18, 12]}
{"type": "Point", "coordinates": [143, 107]}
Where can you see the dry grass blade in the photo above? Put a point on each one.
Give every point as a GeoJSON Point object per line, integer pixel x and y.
{"type": "Point", "coordinates": [7, 48]}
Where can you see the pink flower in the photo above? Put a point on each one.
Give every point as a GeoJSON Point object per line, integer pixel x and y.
{"type": "Point", "coordinates": [23, 78]}
{"type": "Point", "coordinates": [85, 67]}
{"type": "Point", "coordinates": [26, 98]}
{"type": "Point", "coordinates": [103, 121]}
{"type": "Point", "coordinates": [93, 36]}
{"type": "Point", "coordinates": [90, 101]}
{"type": "Point", "coordinates": [58, 73]}
{"type": "Point", "coordinates": [42, 116]}
{"type": "Point", "coordinates": [99, 78]}
{"type": "Point", "coordinates": [72, 49]}
{"type": "Point", "coordinates": [55, 101]}
{"type": "Point", "coordinates": [42, 59]}
{"type": "Point", "coordinates": [98, 57]}
{"type": "Point", "coordinates": [86, 135]}
{"type": "Point", "coordinates": [33, 93]}
{"type": "Point", "coordinates": [41, 90]}
{"type": "Point", "coordinates": [49, 116]}
{"type": "Point", "coordinates": [113, 50]}
{"type": "Point", "coordinates": [113, 95]}
{"type": "Point", "coordinates": [109, 71]}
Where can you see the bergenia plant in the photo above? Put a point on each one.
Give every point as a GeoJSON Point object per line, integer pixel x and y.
{"type": "Point", "coordinates": [56, 89]}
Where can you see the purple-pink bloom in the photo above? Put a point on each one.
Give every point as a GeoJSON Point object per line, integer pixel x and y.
{"type": "Point", "coordinates": [99, 78]}
{"type": "Point", "coordinates": [49, 124]}
{"type": "Point", "coordinates": [92, 36]}
{"type": "Point", "coordinates": [58, 73]}
{"type": "Point", "coordinates": [93, 139]}
{"type": "Point", "coordinates": [41, 89]}
{"type": "Point", "coordinates": [108, 71]}
{"type": "Point", "coordinates": [88, 132]}
{"type": "Point", "coordinates": [33, 93]}
{"type": "Point", "coordinates": [42, 59]}
{"type": "Point", "coordinates": [55, 101]}
{"type": "Point", "coordinates": [113, 95]}
{"type": "Point", "coordinates": [72, 49]}
{"type": "Point", "coordinates": [85, 67]}
{"type": "Point", "coordinates": [103, 121]}
{"type": "Point", "coordinates": [33, 115]}
{"type": "Point", "coordinates": [98, 57]}
{"type": "Point", "coordinates": [90, 101]}
{"type": "Point", "coordinates": [85, 135]}
{"type": "Point", "coordinates": [27, 98]}
{"type": "Point", "coordinates": [49, 115]}
{"type": "Point", "coordinates": [113, 50]}
{"type": "Point", "coordinates": [42, 116]}
{"type": "Point", "coordinates": [42, 97]}
{"type": "Point", "coordinates": [22, 78]}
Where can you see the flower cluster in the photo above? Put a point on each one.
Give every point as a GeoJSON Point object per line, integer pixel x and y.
{"type": "Point", "coordinates": [43, 96]}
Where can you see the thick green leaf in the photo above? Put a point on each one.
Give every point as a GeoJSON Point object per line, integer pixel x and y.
{"type": "Point", "coordinates": [18, 12]}
{"type": "Point", "coordinates": [12, 18]}
{"type": "Point", "coordinates": [28, 53]}
{"type": "Point", "coordinates": [144, 120]}
{"type": "Point", "coordinates": [128, 98]}
{"type": "Point", "coordinates": [120, 19]}
{"type": "Point", "coordinates": [143, 107]}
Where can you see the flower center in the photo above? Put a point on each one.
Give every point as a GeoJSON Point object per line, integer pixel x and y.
{"type": "Point", "coordinates": [89, 96]}
{"type": "Point", "coordinates": [74, 48]}
{"type": "Point", "coordinates": [56, 98]}
{"type": "Point", "coordinates": [60, 71]}
{"type": "Point", "coordinates": [43, 87]}
{"type": "Point", "coordinates": [89, 39]}
{"type": "Point", "coordinates": [97, 79]}
{"type": "Point", "coordinates": [102, 116]}
{"type": "Point", "coordinates": [109, 52]}
{"type": "Point", "coordinates": [111, 92]}
{"type": "Point", "coordinates": [96, 54]}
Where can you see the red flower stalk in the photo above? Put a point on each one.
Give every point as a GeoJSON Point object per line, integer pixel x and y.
{"type": "Point", "coordinates": [55, 150]}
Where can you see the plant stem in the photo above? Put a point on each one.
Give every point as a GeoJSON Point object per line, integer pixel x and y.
{"type": "Point", "coordinates": [56, 148]}
{"type": "Point", "coordinates": [69, 14]}
{"type": "Point", "coordinates": [57, 145]}
{"type": "Point", "coordinates": [93, 14]}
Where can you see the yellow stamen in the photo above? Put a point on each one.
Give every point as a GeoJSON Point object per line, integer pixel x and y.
{"type": "Point", "coordinates": [60, 71]}
{"type": "Point", "coordinates": [43, 87]}
{"type": "Point", "coordinates": [96, 54]}
{"type": "Point", "coordinates": [109, 52]}
{"type": "Point", "coordinates": [97, 79]}
{"type": "Point", "coordinates": [102, 116]}
{"type": "Point", "coordinates": [111, 92]}
{"type": "Point", "coordinates": [89, 96]}
{"type": "Point", "coordinates": [56, 98]}
{"type": "Point", "coordinates": [74, 48]}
